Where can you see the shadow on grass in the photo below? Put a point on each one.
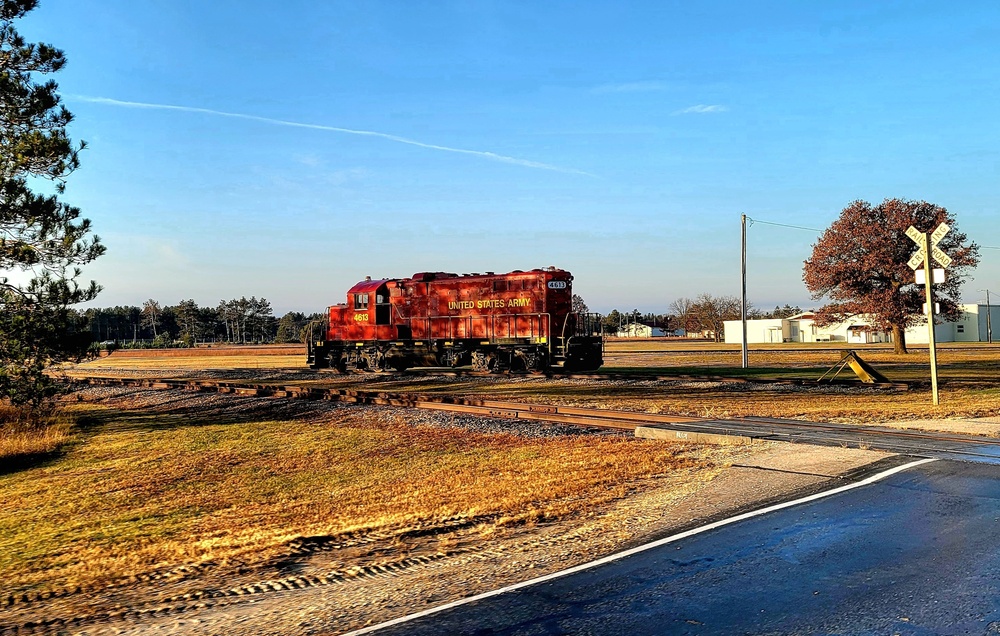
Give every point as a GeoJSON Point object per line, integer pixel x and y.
{"type": "Point", "coordinates": [17, 463]}
{"type": "Point", "coordinates": [160, 410]}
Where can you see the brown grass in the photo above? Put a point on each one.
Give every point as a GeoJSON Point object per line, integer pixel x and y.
{"type": "Point", "coordinates": [143, 490]}
{"type": "Point", "coordinates": [26, 434]}
{"type": "Point", "coordinates": [191, 360]}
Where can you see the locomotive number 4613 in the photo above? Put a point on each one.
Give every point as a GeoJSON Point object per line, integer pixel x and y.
{"type": "Point", "coordinates": [557, 284]}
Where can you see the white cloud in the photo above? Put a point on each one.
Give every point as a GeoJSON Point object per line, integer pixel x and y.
{"type": "Point", "coordinates": [368, 133]}
{"type": "Point", "coordinates": [701, 108]}
{"type": "Point", "coordinates": [342, 177]}
{"type": "Point", "coordinates": [310, 161]}
{"type": "Point", "coordinates": [633, 87]}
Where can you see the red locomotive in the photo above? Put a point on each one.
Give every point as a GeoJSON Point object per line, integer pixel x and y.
{"type": "Point", "coordinates": [521, 321]}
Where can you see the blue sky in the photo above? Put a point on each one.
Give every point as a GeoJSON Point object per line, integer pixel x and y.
{"type": "Point", "coordinates": [287, 150]}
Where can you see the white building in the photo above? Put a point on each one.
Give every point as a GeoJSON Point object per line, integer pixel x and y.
{"type": "Point", "coordinates": [972, 326]}
{"type": "Point", "coordinates": [639, 330]}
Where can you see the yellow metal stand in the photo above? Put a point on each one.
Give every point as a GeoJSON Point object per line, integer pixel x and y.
{"type": "Point", "coordinates": [862, 369]}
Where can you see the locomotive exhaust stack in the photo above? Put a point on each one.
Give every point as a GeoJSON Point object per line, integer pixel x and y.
{"type": "Point", "coordinates": [521, 321]}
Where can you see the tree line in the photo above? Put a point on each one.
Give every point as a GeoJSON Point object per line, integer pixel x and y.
{"type": "Point", "coordinates": [703, 315]}
{"type": "Point", "coordinates": [238, 321]}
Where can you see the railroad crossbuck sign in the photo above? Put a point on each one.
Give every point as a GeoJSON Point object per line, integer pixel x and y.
{"type": "Point", "coordinates": [917, 237]}
{"type": "Point", "coordinates": [924, 243]}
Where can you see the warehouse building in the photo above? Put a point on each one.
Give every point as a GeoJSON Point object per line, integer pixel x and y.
{"type": "Point", "coordinates": [974, 325]}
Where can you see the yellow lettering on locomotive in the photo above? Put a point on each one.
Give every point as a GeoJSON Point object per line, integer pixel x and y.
{"type": "Point", "coordinates": [361, 317]}
{"type": "Point", "coordinates": [488, 303]}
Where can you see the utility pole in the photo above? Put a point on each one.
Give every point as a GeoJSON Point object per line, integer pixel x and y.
{"type": "Point", "coordinates": [745, 357]}
{"type": "Point", "coordinates": [989, 325]}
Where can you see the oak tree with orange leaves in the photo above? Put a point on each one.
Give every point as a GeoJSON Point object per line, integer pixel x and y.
{"type": "Point", "coordinates": [860, 265]}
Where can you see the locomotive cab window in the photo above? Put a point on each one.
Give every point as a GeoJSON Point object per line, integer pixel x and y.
{"type": "Point", "coordinates": [360, 302]}
{"type": "Point", "coordinates": [382, 307]}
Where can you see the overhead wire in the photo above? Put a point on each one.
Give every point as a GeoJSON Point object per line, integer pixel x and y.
{"type": "Point", "coordinates": [796, 227]}
{"type": "Point", "coordinates": [812, 229]}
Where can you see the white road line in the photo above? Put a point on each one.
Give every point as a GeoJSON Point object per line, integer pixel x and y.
{"type": "Point", "coordinates": [637, 550]}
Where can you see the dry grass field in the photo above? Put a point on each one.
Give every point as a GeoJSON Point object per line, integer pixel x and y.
{"type": "Point", "coordinates": [155, 483]}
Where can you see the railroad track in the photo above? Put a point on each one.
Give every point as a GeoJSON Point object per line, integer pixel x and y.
{"type": "Point", "coordinates": [652, 425]}
{"type": "Point", "coordinates": [660, 377]}
{"type": "Point", "coordinates": [594, 418]}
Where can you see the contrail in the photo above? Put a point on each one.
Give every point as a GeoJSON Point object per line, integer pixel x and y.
{"type": "Point", "coordinates": [368, 133]}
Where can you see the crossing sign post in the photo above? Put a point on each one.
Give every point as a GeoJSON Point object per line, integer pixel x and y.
{"type": "Point", "coordinates": [927, 247]}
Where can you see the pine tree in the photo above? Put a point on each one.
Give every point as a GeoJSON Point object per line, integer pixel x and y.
{"type": "Point", "coordinates": [43, 240]}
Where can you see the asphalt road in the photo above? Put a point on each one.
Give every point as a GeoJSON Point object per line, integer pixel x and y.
{"type": "Point", "coordinates": [915, 553]}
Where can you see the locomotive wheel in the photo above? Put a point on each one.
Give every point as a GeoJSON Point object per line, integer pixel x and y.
{"type": "Point", "coordinates": [455, 358]}
{"type": "Point", "coordinates": [485, 362]}
{"type": "Point", "coordinates": [531, 361]}
{"type": "Point", "coordinates": [368, 362]}
{"type": "Point", "coordinates": [478, 361]}
{"type": "Point", "coordinates": [373, 360]}
{"type": "Point", "coordinates": [521, 361]}
{"type": "Point", "coordinates": [395, 359]}
{"type": "Point", "coordinates": [335, 360]}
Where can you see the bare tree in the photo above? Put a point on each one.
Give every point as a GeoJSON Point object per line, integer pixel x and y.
{"type": "Point", "coordinates": [710, 312]}
{"type": "Point", "coordinates": [151, 314]}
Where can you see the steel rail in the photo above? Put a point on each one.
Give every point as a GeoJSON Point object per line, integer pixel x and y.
{"type": "Point", "coordinates": [690, 377]}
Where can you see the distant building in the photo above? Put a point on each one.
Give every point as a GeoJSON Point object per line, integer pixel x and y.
{"type": "Point", "coordinates": [970, 327]}
{"type": "Point", "coordinates": [640, 330]}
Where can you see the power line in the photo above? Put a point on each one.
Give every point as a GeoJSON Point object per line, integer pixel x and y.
{"type": "Point", "coordinates": [795, 227]}
{"type": "Point", "coordinates": [812, 229]}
